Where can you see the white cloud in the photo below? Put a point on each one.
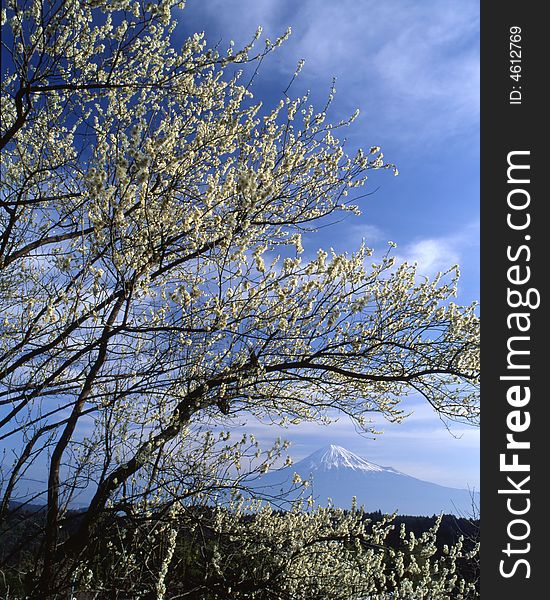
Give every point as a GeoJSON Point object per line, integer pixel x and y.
{"type": "Point", "coordinates": [439, 253]}
{"type": "Point", "coordinates": [432, 255]}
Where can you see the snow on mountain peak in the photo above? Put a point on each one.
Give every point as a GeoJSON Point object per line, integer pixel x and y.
{"type": "Point", "coordinates": [336, 473]}
{"type": "Point", "coordinates": [336, 457]}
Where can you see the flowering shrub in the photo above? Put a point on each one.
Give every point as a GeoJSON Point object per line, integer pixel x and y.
{"type": "Point", "coordinates": [257, 553]}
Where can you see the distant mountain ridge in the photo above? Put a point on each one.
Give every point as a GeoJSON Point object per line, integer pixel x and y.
{"type": "Point", "coordinates": [339, 474]}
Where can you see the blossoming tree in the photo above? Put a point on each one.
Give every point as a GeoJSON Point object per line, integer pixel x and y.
{"type": "Point", "coordinates": [153, 281]}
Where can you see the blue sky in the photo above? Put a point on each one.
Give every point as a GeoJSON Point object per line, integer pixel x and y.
{"type": "Point", "coordinates": [413, 71]}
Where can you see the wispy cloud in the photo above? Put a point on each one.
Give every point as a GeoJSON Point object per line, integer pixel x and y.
{"type": "Point", "coordinates": [372, 235]}
{"type": "Point", "coordinates": [417, 64]}
{"type": "Point", "coordinates": [435, 254]}
{"type": "Point", "coordinates": [432, 255]}
{"type": "Point", "coordinates": [413, 67]}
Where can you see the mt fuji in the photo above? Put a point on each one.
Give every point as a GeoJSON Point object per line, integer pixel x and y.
{"type": "Point", "coordinates": [339, 474]}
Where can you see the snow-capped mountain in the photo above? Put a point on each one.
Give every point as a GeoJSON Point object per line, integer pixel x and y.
{"type": "Point", "coordinates": [339, 474]}
{"type": "Point", "coordinates": [336, 457]}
